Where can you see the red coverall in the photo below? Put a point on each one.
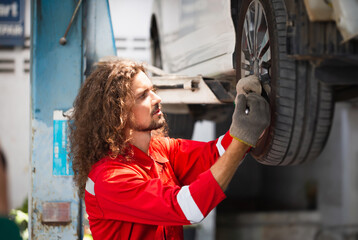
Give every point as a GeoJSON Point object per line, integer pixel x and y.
{"type": "Point", "coordinates": [152, 196]}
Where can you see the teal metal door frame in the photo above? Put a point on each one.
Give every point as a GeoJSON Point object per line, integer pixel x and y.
{"type": "Point", "coordinates": [57, 71]}
{"type": "Point", "coordinates": [56, 75]}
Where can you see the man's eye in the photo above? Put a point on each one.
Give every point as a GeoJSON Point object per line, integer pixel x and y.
{"type": "Point", "coordinates": [143, 95]}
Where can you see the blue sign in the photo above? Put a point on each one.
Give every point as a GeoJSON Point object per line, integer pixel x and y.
{"type": "Point", "coordinates": [12, 22]}
{"type": "Point", "coordinates": [62, 165]}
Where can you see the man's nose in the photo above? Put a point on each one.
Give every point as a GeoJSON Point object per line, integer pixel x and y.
{"type": "Point", "coordinates": [156, 99]}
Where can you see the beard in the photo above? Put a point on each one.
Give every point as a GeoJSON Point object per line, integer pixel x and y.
{"type": "Point", "coordinates": [155, 124]}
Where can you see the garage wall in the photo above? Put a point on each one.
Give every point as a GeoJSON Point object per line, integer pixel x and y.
{"type": "Point", "coordinates": [15, 127]}
{"type": "Point", "coordinates": [15, 115]}
{"type": "Point", "coordinates": [131, 22]}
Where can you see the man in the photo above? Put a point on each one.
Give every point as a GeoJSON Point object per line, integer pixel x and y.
{"type": "Point", "coordinates": [138, 185]}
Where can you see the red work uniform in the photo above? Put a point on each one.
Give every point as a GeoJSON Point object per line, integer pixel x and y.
{"type": "Point", "coordinates": [152, 196]}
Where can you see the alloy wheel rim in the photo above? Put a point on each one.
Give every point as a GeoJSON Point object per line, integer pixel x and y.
{"type": "Point", "coordinates": [255, 45]}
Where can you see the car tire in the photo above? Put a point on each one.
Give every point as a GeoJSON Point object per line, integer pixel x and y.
{"type": "Point", "coordinates": [301, 106]}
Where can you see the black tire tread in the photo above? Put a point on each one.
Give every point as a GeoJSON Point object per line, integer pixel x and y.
{"type": "Point", "coordinates": [303, 106]}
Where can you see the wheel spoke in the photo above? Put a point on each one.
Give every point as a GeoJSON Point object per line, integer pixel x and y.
{"type": "Point", "coordinates": [245, 45]}
{"type": "Point", "coordinates": [264, 49]}
{"type": "Point", "coordinates": [255, 42]}
{"type": "Point", "coordinates": [246, 55]}
{"type": "Point", "coordinates": [257, 23]}
{"type": "Point", "coordinates": [248, 33]}
{"type": "Point", "coordinates": [265, 58]}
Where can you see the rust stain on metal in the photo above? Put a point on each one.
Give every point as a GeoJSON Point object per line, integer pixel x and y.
{"type": "Point", "coordinates": [56, 212]}
{"type": "Point", "coordinates": [54, 224]}
{"type": "Point", "coordinates": [47, 227]}
{"type": "Point", "coordinates": [35, 227]}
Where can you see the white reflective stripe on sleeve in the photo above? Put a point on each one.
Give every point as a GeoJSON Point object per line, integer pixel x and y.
{"type": "Point", "coordinates": [188, 206]}
{"type": "Point", "coordinates": [220, 148]}
{"type": "Point", "coordinates": [90, 186]}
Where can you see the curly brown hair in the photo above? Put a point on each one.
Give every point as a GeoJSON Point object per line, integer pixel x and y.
{"type": "Point", "coordinates": [101, 115]}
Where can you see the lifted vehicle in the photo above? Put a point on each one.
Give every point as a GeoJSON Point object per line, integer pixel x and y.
{"type": "Point", "coordinates": [304, 53]}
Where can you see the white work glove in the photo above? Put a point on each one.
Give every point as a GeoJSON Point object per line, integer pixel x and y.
{"type": "Point", "coordinates": [248, 126]}
{"type": "Point", "coordinates": [248, 84]}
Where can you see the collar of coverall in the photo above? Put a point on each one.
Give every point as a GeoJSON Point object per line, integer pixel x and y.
{"type": "Point", "coordinates": [147, 160]}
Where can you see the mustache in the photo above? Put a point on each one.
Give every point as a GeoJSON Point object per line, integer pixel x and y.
{"type": "Point", "coordinates": [155, 109]}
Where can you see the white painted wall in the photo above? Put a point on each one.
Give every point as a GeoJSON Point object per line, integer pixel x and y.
{"type": "Point", "coordinates": [15, 119]}
{"type": "Point", "coordinates": [131, 22]}
{"type": "Point", "coordinates": [15, 134]}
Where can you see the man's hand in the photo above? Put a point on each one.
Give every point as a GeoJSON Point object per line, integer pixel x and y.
{"type": "Point", "coordinates": [248, 126]}
{"type": "Point", "coordinates": [248, 85]}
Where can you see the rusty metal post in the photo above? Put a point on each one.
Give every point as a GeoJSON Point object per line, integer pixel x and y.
{"type": "Point", "coordinates": [56, 75]}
